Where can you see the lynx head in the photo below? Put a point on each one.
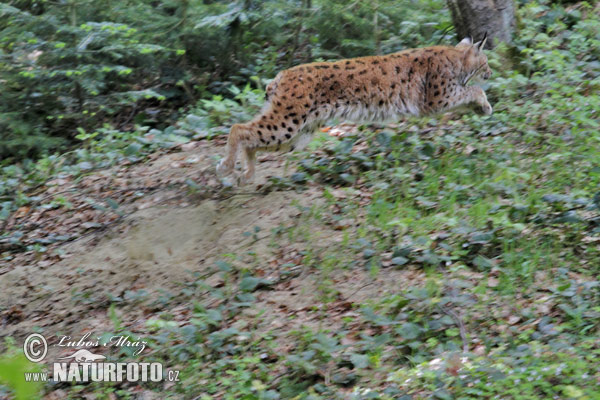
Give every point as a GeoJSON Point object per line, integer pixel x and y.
{"type": "Point", "coordinates": [474, 61]}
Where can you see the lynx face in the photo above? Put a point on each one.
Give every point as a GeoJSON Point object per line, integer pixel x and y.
{"type": "Point", "coordinates": [475, 59]}
{"type": "Point", "coordinates": [415, 81]}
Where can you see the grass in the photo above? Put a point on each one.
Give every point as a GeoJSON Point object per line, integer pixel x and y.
{"type": "Point", "coordinates": [499, 213]}
{"type": "Point", "coordinates": [497, 232]}
{"type": "Point", "coordinates": [496, 217]}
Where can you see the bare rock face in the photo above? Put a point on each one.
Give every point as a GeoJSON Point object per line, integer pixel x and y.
{"type": "Point", "coordinates": [476, 17]}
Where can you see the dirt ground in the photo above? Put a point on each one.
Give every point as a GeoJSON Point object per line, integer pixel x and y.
{"type": "Point", "coordinates": [168, 235]}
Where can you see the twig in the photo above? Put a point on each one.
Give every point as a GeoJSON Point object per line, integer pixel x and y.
{"type": "Point", "coordinates": [461, 326]}
{"type": "Point", "coordinates": [278, 377]}
{"type": "Point", "coordinates": [133, 110]}
{"type": "Point", "coordinates": [232, 194]}
{"type": "Point", "coordinates": [359, 289]}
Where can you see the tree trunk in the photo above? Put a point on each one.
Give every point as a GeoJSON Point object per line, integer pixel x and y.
{"type": "Point", "coordinates": [476, 17]}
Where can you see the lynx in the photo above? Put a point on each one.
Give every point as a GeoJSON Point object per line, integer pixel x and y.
{"type": "Point", "coordinates": [376, 88]}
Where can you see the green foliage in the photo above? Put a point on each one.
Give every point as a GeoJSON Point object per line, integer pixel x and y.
{"type": "Point", "coordinates": [74, 65]}
{"type": "Point", "coordinates": [106, 146]}
{"type": "Point", "coordinates": [217, 114]}
{"type": "Point", "coordinates": [99, 149]}
{"type": "Point", "coordinates": [488, 196]}
{"type": "Point", "coordinates": [499, 214]}
{"type": "Point", "coordinates": [59, 75]}
{"type": "Point", "coordinates": [302, 31]}
{"type": "Point", "coordinates": [532, 371]}
{"type": "Point", "coordinates": [13, 367]}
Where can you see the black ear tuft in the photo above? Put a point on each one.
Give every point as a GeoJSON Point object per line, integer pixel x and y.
{"type": "Point", "coordinates": [481, 43]}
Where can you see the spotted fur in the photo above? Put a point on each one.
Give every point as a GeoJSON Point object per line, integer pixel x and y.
{"type": "Point", "coordinates": [416, 81]}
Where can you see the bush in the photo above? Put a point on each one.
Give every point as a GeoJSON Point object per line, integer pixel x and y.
{"type": "Point", "coordinates": [80, 64]}
{"type": "Point", "coordinates": [59, 76]}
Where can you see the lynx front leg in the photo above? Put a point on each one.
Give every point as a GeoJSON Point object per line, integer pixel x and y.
{"type": "Point", "coordinates": [481, 99]}
{"type": "Point", "coordinates": [467, 95]}
{"type": "Point", "coordinates": [475, 94]}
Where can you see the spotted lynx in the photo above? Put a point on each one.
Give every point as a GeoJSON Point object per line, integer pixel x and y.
{"type": "Point", "coordinates": [416, 81]}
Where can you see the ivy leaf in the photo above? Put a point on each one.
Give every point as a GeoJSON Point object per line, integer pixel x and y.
{"type": "Point", "coordinates": [359, 360]}
{"type": "Point", "coordinates": [133, 149]}
{"type": "Point", "coordinates": [112, 204]}
{"type": "Point", "coordinates": [596, 200]}
{"type": "Point", "coordinates": [569, 217]}
{"type": "Point", "coordinates": [251, 283]}
{"type": "Point", "coordinates": [399, 260]}
{"type": "Point", "coordinates": [483, 263]}
{"type": "Point", "coordinates": [409, 331]}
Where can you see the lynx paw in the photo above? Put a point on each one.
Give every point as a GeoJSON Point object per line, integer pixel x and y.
{"type": "Point", "coordinates": [486, 108]}
{"type": "Point", "coordinates": [222, 169]}
{"type": "Point", "coordinates": [245, 178]}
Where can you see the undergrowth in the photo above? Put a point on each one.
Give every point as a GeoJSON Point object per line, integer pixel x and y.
{"type": "Point", "coordinates": [499, 215]}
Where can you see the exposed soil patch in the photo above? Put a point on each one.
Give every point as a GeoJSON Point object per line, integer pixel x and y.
{"type": "Point", "coordinates": [164, 237]}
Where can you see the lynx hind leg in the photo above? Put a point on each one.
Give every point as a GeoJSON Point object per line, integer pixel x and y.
{"type": "Point", "coordinates": [272, 130]}
{"type": "Point", "coordinates": [301, 140]}
{"type": "Point", "coordinates": [234, 140]}
{"type": "Point", "coordinates": [249, 154]}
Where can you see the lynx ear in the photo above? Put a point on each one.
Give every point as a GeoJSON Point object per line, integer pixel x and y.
{"type": "Point", "coordinates": [479, 45]}
{"type": "Point", "coordinates": [466, 40]}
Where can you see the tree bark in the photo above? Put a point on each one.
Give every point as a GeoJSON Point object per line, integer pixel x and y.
{"type": "Point", "coordinates": [476, 17]}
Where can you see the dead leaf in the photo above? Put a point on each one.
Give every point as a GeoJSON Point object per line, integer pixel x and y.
{"type": "Point", "coordinates": [469, 150]}
{"type": "Point", "coordinates": [493, 282]}
{"type": "Point", "coordinates": [22, 211]}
